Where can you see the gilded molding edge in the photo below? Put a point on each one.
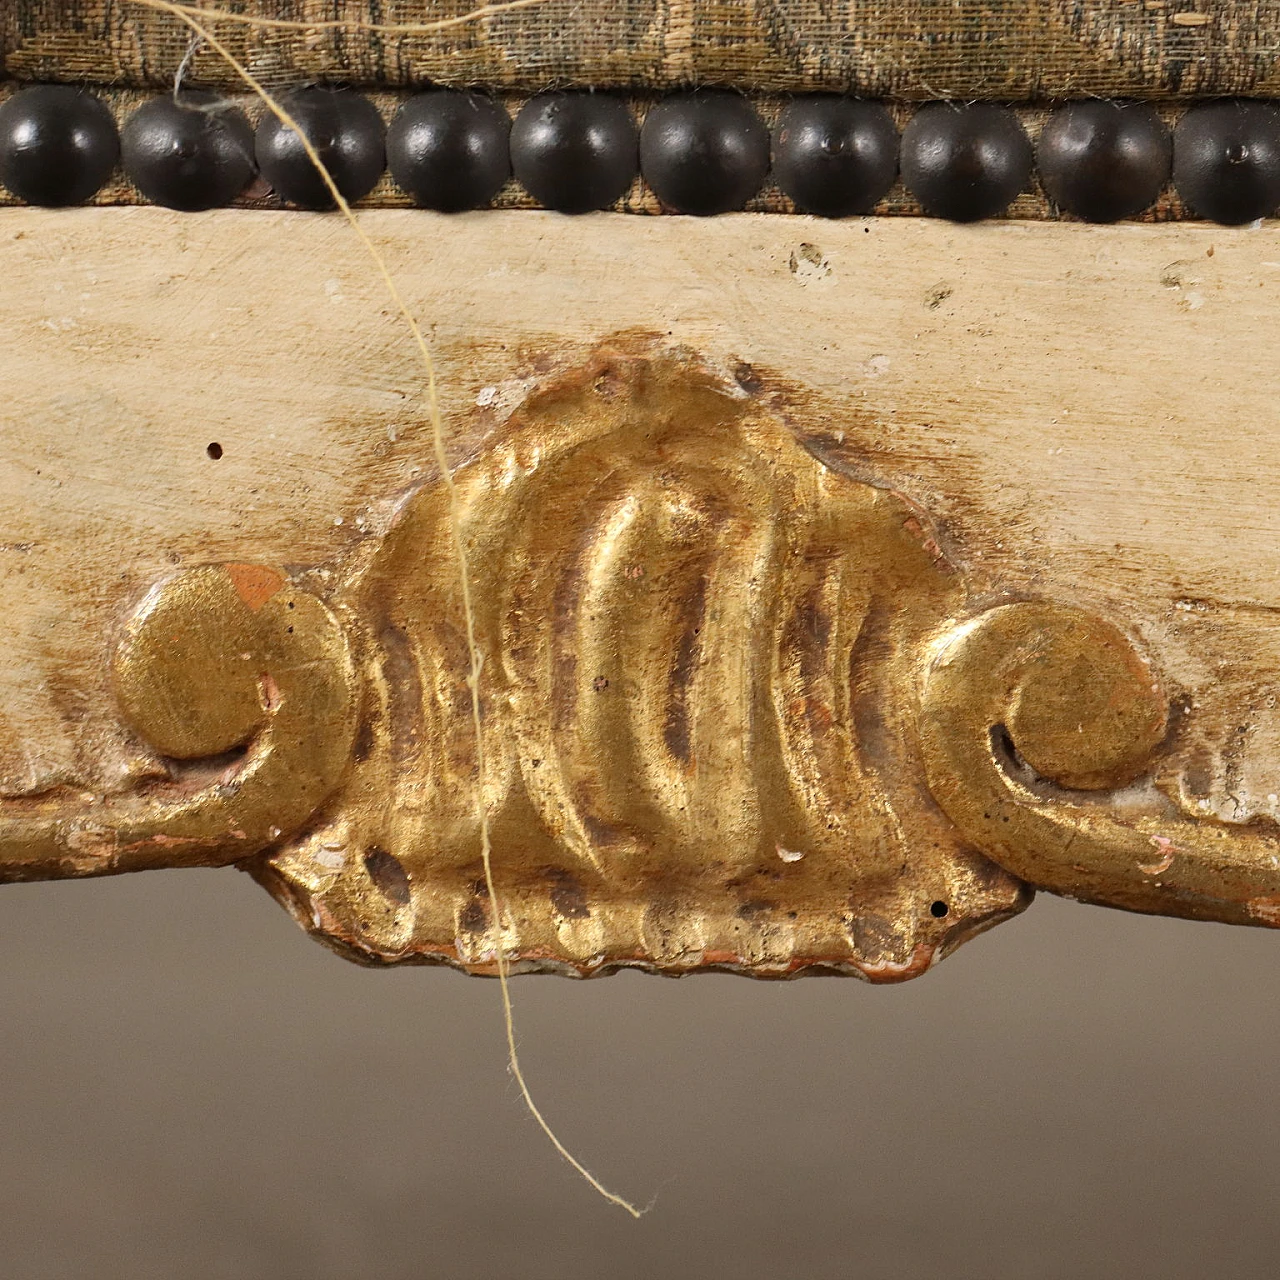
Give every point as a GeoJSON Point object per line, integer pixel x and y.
{"type": "Point", "coordinates": [244, 687]}
{"type": "Point", "coordinates": [741, 711]}
{"type": "Point", "coordinates": [1042, 726]}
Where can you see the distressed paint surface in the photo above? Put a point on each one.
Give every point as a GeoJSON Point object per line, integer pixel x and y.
{"type": "Point", "coordinates": [1081, 411]}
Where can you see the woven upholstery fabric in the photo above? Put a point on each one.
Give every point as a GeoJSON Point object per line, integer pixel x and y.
{"type": "Point", "coordinates": [913, 49]}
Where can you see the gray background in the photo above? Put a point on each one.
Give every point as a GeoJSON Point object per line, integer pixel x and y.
{"type": "Point", "coordinates": [190, 1087]}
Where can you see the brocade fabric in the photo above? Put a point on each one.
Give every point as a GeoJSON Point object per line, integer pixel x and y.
{"type": "Point", "coordinates": [913, 49]}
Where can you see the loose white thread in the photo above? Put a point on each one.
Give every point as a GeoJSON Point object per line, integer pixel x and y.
{"type": "Point", "coordinates": [191, 15]}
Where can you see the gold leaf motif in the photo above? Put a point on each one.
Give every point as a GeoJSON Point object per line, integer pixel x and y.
{"type": "Point", "coordinates": [739, 710]}
{"type": "Point", "coordinates": [698, 704]}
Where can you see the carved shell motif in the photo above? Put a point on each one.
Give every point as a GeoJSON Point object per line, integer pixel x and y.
{"type": "Point", "coordinates": [699, 725]}
{"type": "Point", "coordinates": [738, 711]}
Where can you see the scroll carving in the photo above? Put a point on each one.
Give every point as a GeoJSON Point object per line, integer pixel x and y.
{"type": "Point", "coordinates": [245, 687]}
{"type": "Point", "coordinates": [1042, 726]}
{"type": "Point", "coordinates": [739, 710]}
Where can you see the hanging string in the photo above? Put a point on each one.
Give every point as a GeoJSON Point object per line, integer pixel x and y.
{"type": "Point", "coordinates": [195, 18]}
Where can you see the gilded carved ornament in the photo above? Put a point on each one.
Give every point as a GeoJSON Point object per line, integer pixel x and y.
{"type": "Point", "coordinates": [740, 710]}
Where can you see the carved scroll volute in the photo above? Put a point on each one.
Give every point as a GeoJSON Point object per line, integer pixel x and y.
{"type": "Point", "coordinates": [1041, 725]}
{"type": "Point", "coordinates": [245, 687]}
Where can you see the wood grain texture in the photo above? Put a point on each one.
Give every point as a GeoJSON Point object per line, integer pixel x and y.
{"type": "Point", "coordinates": [1089, 414]}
